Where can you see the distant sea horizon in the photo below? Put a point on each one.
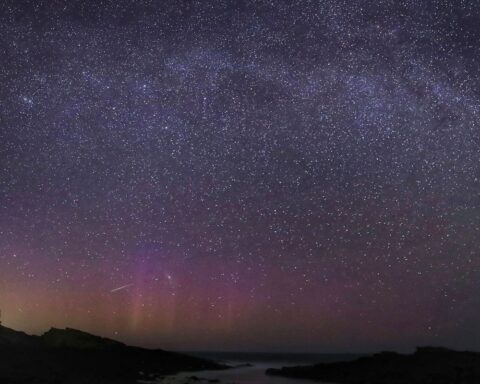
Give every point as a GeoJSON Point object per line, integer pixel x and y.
{"type": "Point", "coordinates": [265, 357]}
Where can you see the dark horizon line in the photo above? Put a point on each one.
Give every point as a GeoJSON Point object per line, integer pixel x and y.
{"type": "Point", "coordinates": [252, 352]}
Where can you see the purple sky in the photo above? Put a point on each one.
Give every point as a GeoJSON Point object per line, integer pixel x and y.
{"type": "Point", "coordinates": [253, 175]}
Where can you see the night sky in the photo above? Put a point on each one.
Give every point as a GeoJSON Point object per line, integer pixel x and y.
{"type": "Point", "coordinates": [242, 175]}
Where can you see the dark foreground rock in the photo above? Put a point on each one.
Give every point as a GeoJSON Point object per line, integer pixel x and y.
{"type": "Point", "coordinates": [426, 366]}
{"type": "Point", "coordinates": [74, 357]}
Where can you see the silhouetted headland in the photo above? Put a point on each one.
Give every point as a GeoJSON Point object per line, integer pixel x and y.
{"type": "Point", "coordinates": [427, 365]}
{"type": "Point", "coordinates": [71, 356]}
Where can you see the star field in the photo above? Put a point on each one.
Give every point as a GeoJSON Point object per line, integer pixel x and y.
{"type": "Point", "coordinates": [252, 175]}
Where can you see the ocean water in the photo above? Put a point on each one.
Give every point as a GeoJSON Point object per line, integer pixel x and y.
{"type": "Point", "coordinates": [254, 374]}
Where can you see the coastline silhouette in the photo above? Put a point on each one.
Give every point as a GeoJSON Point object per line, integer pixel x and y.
{"type": "Point", "coordinates": [73, 356]}
{"type": "Point", "coordinates": [431, 365]}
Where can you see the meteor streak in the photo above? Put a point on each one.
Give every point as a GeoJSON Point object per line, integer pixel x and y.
{"type": "Point", "coordinates": [120, 288]}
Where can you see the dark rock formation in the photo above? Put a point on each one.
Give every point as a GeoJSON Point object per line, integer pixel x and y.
{"type": "Point", "coordinates": [71, 356]}
{"type": "Point", "coordinates": [11, 338]}
{"type": "Point", "coordinates": [73, 338]}
{"type": "Point", "coordinates": [427, 365]}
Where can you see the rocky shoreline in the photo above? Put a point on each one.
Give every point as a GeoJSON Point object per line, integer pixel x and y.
{"type": "Point", "coordinates": [70, 356]}
{"type": "Point", "coordinates": [428, 365]}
